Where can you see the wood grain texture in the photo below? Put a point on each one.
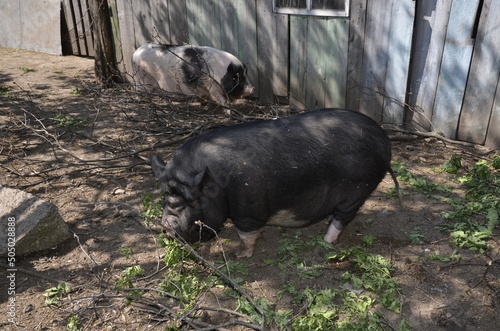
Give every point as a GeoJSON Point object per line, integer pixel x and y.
{"type": "Point", "coordinates": [455, 64]}
{"type": "Point", "coordinates": [493, 136]}
{"type": "Point", "coordinates": [483, 77]}
{"type": "Point", "coordinates": [355, 73]}
{"type": "Point", "coordinates": [429, 39]}
{"type": "Point", "coordinates": [402, 15]}
{"type": "Point", "coordinates": [272, 56]}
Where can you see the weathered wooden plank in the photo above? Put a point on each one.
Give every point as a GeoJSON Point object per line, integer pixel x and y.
{"type": "Point", "coordinates": [212, 23]}
{"type": "Point", "coordinates": [314, 80]}
{"type": "Point", "coordinates": [127, 34]}
{"type": "Point", "coordinates": [483, 77]}
{"type": "Point", "coordinates": [375, 58]}
{"type": "Point", "coordinates": [318, 62]}
{"type": "Point", "coordinates": [177, 21]}
{"type": "Point", "coordinates": [402, 15]}
{"type": "Point", "coordinates": [298, 58]}
{"type": "Point", "coordinates": [229, 26]}
{"type": "Point", "coordinates": [203, 24]}
{"type": "Point", "coordinates": [247, 38]}
{"type": "Point", "coordinates": [355, 74]}
{"type": "Point", "coordinates": [335, 62]}
{"type": "Point", "coordinates": [80, 27]}
{"type": "Point", "coordinates": [160, 27]}
{"type": "Point", "coordinates": [144, 30]}
{"type": "Point", "coordinates": [454, 67]}
{"type": "Point", "coordinates": [115, 26]}
{"type": "Point", "coordinates": [87, 21]}
{"type": "Point", "coordinates": [493, 135]}
{"type": "Point", "coordinates": [70, 22]}
{"type": "Point", "coordinates": [272, 45]}
{"type": "Point", "coordinates": [430, 32]}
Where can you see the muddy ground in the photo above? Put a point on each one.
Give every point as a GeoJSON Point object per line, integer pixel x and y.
{"type": "Point", "coordinates": [85, 160]}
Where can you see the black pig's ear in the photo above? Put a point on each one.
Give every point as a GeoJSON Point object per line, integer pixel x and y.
{"type": "Point", "coordinates": [202, 179]}
{"type": "Point", "coordinates": [159, 169]}
{"type": "Point", "coordinates": [158, 166]}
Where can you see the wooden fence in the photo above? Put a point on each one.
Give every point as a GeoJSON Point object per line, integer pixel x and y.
{"type": "Point", "coordinates": [430, 65]}
{"type": "Point", "coordinates": [78, 33]}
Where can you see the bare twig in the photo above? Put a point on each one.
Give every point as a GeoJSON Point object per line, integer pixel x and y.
{"type": "Point", "coordinates": [38, 275]}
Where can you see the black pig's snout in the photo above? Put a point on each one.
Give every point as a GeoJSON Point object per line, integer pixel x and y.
{"type": "Point", "coordinates": [167, 229]}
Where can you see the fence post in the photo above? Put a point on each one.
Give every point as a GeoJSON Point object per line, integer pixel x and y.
{"type": "Point", "coordinates": [105, 65]}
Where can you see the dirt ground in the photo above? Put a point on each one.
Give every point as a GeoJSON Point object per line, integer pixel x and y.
{"type": "Point", "coordinates": [85, 160]}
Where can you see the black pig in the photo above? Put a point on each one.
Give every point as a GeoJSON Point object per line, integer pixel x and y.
{"type": "Point", "coordinates": [291, 172]}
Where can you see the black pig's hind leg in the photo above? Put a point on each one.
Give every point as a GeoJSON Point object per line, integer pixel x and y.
{"type": "Point", "coordinates": [248, 239]}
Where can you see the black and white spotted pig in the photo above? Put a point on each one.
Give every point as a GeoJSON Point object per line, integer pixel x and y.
{"type": "Point", "coordinates": [290, 172]}
{"type": "Point", "coordinates": [191, 70]}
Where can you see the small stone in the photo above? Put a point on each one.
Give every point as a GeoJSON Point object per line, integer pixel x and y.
{"type": "Point", "coordinates": [28, 308]}
{"type": "Point", "coordinates": [118, 191]}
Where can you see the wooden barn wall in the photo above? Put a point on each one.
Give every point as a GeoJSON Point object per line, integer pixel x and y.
{"type": "Point", "coordinates": [307, 59]}
{"type": "Point", "coordinates": [318, 61]}
{"type": "Point", "coordinates": [230, 25]}
{"type": "Point", "coordinates": [380, 40]}
{"type": "Point", "coordinates": [455, 62]}
{"type": "Point", "coordinates": [432, 65]}
{"type": "Point", "coordinates": [455, 69]}
{"type": "Point", "coordinates": [480, 115]}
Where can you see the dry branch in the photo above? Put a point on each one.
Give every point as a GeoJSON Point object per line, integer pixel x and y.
{"type": "Point", "coordinates": [38, 275]}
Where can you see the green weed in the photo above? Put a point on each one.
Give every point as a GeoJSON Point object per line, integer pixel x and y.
{"type": "Point", "coordinates": [290, 248]}
{"type": "Point", "coordinates": [66, 122]}
{"type": "Point", "coordinates": [126, 251]}
{"type": "Point", "coordinates": [371, 272]}
{"type": "Point", "coordinates": [415, 236]}
{"type": "Point", "coordinates": [26, 69]}
{"type": "Point", "coordinates": [481, 184]}
{"type": "Point", "coordinates": [453, 165]}
{"type": "Point", "coordinates": [368, 240]}
{"type": "Point", "coordinates": [418, 183]}
{"type": "Point", "coordinates": [73, 323]}
{"type": "Point", "coordinates": [185, 279]}
{"type": "Point", "coordinates": [153, 207]}
{"type": "Point", "coordinates": [184, 276]}
{"type": "Point", "coordinates": [233, 269]}
{"type": "Point", "coordinates": [128, 274]}
{"type": "Point", "coordinates": [332, 309]}
{"type": "Point", "coordinates": [54, 294]}
{"type": "Point", "coordinates": [438, 257]}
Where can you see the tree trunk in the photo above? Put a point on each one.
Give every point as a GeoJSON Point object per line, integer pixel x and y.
{"type": "Point", "coordinates": [106, 71]}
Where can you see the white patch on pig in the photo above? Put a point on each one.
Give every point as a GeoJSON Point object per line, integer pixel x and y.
{"type": "Point", "coordinates": [286, 218]}
{"type": "Point", "coordinates": [333, 232]}
{"type": "Point", "coordinates": [248, 239]}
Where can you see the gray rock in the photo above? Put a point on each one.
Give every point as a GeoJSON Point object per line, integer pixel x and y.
{"type": "Point", "coordinates": [36, 224]}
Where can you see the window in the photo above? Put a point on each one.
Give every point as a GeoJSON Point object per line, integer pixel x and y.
{"type": "Point", "coordinates": [339, 8]}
